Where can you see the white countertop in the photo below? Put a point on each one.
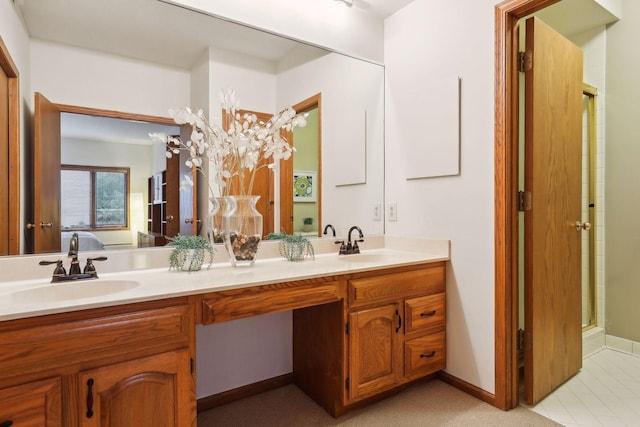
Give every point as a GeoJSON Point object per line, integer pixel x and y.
{"type": "Point", "coordinates": [36, 296]}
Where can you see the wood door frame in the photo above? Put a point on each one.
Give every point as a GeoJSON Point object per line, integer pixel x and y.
{"type": "Point", "coordinates": [507, 14]}
{"type": "Point", "coordinates": [286, 167]}
{"type": "Point", "coordinates": [11, 71]}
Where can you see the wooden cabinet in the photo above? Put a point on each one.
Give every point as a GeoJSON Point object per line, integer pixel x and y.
{"type": "Point", "coordinates": [375, 350]}
{"type": "Point", "coordinates": [393, 332]}
{"type": "Point", "coordinates": [139, 358]}
{"type": "Point", "coordinates": [142, 392]}
{"type": "Point", "coordinates": [402, 336]}
{"type": "Point", "coordinates": [35, 404]}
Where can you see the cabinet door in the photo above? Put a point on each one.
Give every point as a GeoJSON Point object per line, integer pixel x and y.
{"type": "Point", "coordinates": [376, 353]}
{"type": "Point", "coordinates": [35, 404]}
{"type": "Point", "coordinates": [154, 391]}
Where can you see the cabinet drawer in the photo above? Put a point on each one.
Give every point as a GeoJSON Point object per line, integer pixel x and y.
{"type": "Point", "coordinates": [388, 287]}
{"type": "Point", "coordinates": [60, 344]}
{"type": "Point", "coordinates": [425, 355]}
{"type": "Point", "coordinates": [245, 302]}
{"type": "Point", "coordinates": [425, 314]}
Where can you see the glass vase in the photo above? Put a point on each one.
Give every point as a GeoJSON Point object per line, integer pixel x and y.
{"type": "Point", "coordinates": [243, 229]}
{"type": "Point", "coordinates": [215, 220]}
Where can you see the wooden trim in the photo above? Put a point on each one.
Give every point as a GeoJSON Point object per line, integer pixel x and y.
{"type": "Point", "coordinates": [468, 388]}
{"type": "Point", "coordinates": [11, 70]}
{"type": "Point", "coordinates": [507, 14]}
{"type": "Point", "coordinates": [286, 167]}
{"type": "Point", "coordinates": [248, 390]}
{"type": "Point", "coordinates": [75, 109]}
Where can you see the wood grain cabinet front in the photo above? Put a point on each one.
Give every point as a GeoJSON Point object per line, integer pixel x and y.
{"type": "Point", "coordinates": [390, 331]}
{"type": "Point", "coordinates": [154, 391]}
{"type": "Point", "coordinates": [127, 366]}
{"type": "Point", "coordinates": [35, 404]}
{"type": "Point", "coordinates": [408, 342]}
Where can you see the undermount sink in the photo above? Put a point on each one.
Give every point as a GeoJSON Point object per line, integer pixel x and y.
{"type": "Point", "coordinates": [73, 290]}
{"type": "Point", "coordinates": [377, 257]}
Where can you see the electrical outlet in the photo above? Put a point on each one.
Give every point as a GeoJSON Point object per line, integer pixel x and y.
{"type": "Point", "coordinates": [377, 212]}
{"type": "Point", "coordinates": [392, 211]}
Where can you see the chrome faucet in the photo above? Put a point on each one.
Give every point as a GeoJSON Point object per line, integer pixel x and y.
{"type": "Point", "coordinates": [60, 274]}
{"type": "Point", "coordinates": [327, 227]}
{"type": "Point", "coordinates": [351, 248]}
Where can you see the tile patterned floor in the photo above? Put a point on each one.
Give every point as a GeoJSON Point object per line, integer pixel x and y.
{"type": "Point", "coordinates": [606, 392]}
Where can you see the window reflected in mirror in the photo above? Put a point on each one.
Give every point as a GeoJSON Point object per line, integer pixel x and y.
{"type": "Point", "coordinates": [94, 198]}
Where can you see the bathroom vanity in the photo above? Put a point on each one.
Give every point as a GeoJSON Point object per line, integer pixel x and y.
{"type": "Point", "coordinates": [363, 326]}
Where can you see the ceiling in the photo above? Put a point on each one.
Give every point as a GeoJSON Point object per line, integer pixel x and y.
{"type": "Point", "coordinates": [563, 16]}
{"type": "Point", "coordinates": [164, 34]}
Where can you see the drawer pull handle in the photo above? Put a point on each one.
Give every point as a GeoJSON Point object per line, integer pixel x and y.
{"type": "Point", "coordinates": [399, 321]}
{"type": "Point", "coordinates": [90, 398]}
{"type": "Point", "coordinates": [433, 353]}
{"type": "Point", "coordinates": [7, 423]}
{"type": "Point", "coordinates": [429, 314]}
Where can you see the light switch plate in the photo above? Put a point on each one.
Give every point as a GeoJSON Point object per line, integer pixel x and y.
{"type": "Point", "coordinates": [392, 211]}
{"type": "Point", "coordinates": [377, 212]}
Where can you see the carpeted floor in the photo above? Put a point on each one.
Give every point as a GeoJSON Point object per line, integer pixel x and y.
{"type": "Point", "coordinates": [430, 403]}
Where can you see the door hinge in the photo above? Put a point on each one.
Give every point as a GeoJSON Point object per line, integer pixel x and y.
{"type": "Point", "coordinates": [346, 328]}
{"type": "Point", "coordinates": [525, 61]}
{"type": "Point", "coordinates": [191, 365]}
{"type": "Point", "coordinates": [524, 340]}
{"type": "Point", "coordinates": [524, 201]}
{"type": "Point", "coordinates": [347, 383]}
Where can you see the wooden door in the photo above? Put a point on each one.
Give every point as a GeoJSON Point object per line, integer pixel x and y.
{"type": "Point", "coordinates": [4, 162]}
{"type": "Point", "coordinates": [36, 404]}
{"type": "Point", "coordinates": [553, 125]}
{"type": "Point", "coordinates": [189, 193]}
{"type": "Point", "coordinates": [46, 176]}
{"type": "Point", "coordinates": [9, 154]}
{"type": "Point", "coordinates": [263, 183]}
{"type": "Point", "coordinates": [179, 212]}
{"type": "Point", "coordinates": [155, 391]}
{"type": "Point", "coordinates": [375, 362]}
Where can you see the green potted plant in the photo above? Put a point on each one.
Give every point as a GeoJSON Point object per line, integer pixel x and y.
{"type": "Point", "coordinates": [294, 247]}
{"type": "Point", "coordinates": [189, 252]}
{"type": "Point", "coordinates": [307, 224]}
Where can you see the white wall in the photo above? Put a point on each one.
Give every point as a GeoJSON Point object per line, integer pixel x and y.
{"type": "Point", "coordinates": [138, 158]}
{"type": "Point", "coordinates": [433, 40]}
{"type": "Point", "coordinates": [348, 87]}
{"type": "Point", "coordinates": [323, 23]}
{"type": "Point", "coordinates": [68, 75]}
{"type": "Point", "coordinates": [622, 182]}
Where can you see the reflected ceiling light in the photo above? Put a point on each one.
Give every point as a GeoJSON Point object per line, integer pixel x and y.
{"type": "Point", "coordinates": [347, 2]}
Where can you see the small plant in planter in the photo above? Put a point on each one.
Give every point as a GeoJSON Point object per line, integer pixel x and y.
{"type": "Point", "coordinates": [307, 224]}
{"type": "Point", "coordinates": [189, 252]}
{"type": "Point", "coordinates": [295, 247]}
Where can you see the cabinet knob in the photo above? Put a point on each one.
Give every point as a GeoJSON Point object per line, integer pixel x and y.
{"type": "Point", "coordinates": [433, 353]}
{"type": "Point", "coordinates": [169, 218]}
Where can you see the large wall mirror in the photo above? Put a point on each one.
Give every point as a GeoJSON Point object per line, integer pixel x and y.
{"type": "Point", "coordinates": [146, 56]}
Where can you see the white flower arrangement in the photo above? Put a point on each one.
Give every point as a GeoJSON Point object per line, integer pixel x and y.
{"type": "Point", "coordinates": [245, 147]}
